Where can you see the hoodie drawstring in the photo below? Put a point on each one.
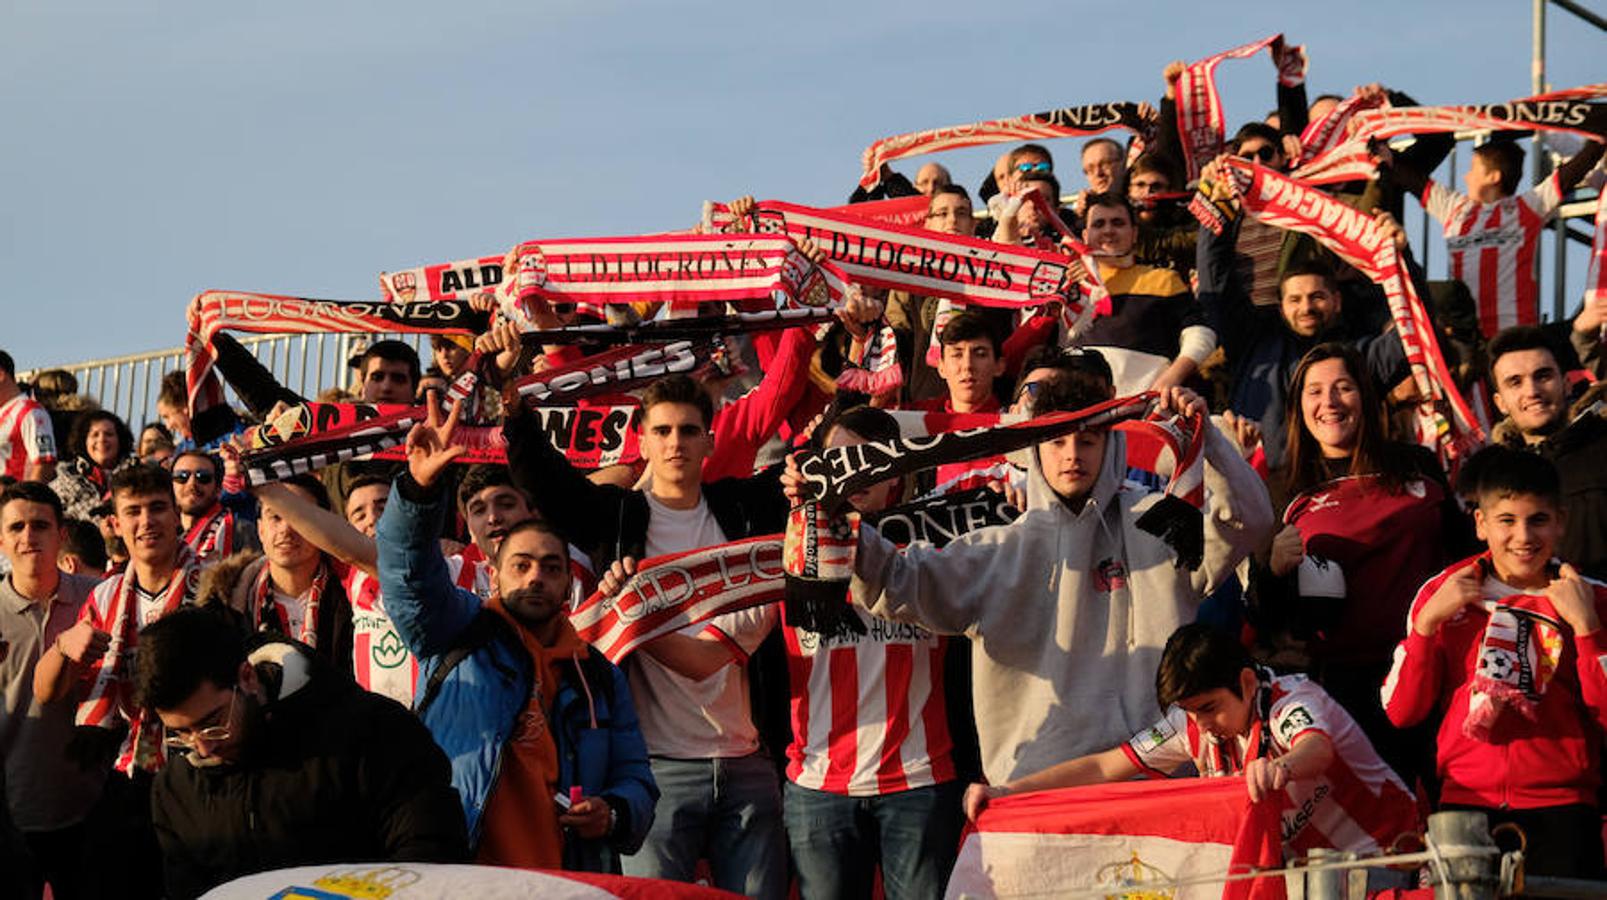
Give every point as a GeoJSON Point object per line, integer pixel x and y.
{"type": "Point", "coordinates": [591, 706]}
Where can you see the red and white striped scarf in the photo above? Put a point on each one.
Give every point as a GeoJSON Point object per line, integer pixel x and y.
{"type": "Point", "coordinates": [1354, 236]}
{"type": "Point", "coordinates": [214, 311]}
{"type": "Point", "coordinates": [1331, 130]}
{"type": "Point", "coordinates": [670, 592]}
{"type": "Point", "coordinates": [673, 269]}
{"type": "Point", "coordinates": [1349, 156]}
{"type": "Point", "coordinates": [482, 275]}
{"type": "Point", "coordinates": [1200, 121]}
{"type": "Point", "coordinates": [110, 699]}
{"type": "Point", "coordinates": [267, 615]}
{"type": "Point", "coordinates": [212, 536]}
{"type": "Point", "coordinates": [927, 263]}
{"type": "Point", "coordinates": [1070, 121]}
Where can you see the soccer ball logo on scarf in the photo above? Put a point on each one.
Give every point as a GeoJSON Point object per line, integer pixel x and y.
{"type": "Point", "coordinates": [1048, 281]}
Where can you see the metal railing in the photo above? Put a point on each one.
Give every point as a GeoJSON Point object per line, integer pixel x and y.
{"type": "Point", "coordinates": [304, 363]}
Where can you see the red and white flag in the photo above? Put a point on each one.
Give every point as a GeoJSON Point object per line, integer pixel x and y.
{"type": "Point", "coordinates": [1179, 838]}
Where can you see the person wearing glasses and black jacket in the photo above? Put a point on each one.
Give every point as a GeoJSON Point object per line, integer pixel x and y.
{"type": "Point", "coordinates": [282, 760]}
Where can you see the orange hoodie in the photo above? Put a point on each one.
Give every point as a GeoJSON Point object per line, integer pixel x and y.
{"type": "Point", "coordinates": [520, 827]}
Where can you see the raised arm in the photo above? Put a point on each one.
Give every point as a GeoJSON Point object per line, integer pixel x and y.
{"type": "Point", "coordinates": [322, 528]}
{"type": "Point", "coordinates": [429, 611]}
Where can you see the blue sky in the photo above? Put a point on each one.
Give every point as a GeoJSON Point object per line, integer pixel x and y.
{"type": "Point", "coordinates": [301, 148]}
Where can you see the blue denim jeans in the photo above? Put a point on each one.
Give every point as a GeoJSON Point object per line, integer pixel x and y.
{"type": "Point", "coordinates": [837, 841]}
{"type": "Point", "coordinates": [727, 811]}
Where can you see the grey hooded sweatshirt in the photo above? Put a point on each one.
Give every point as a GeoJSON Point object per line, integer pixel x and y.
{"type": "Point", "coordinates": [1067, 611]}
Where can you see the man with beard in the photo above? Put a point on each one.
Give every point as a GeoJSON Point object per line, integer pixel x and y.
{"type": "Point", "coordinates": [546, 751]}
{"type": "Point", "coordinates": [211, 529]}
{"type": "Point", "coordinates": [282, 762]}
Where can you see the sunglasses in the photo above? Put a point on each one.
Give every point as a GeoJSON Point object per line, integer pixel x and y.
{"type": "Point", "coordinates": [1263, 154]}
{"type": "Point", "coordinates": [1032, 167]}
{"type": "Point", "coordinates": [200, 476]}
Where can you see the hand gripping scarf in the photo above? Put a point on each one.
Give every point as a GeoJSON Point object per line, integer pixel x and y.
{"type": "Point", "coordinates": [1287, 203]}
{"type": "Point", "coordinates": [1596, 279]}
{"type": "Point", "coordinates": [822, 538]}
{"type": "Point", "coordinates": [1069, 121]}
{"type": "Point", "coordinates": [672, 592]}
{"type": "Point", "coordinates": [111, 690]}
{"type": "Point", "coordinates": [927, 263]}
{"type": "Point", "coordinates": [214, 311]}
{"type": "Point", "coordinates": [1200, 121]}
{"type": "Point", "coordinates": [1348, 156]}
{"type": "Point", "coordinates": [1519, 654]}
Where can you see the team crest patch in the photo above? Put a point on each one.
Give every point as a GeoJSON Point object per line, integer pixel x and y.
{"type": "Point", "coordinates": [1292, 721]}
{"type": "Point", "coordinates": [1152, 738]}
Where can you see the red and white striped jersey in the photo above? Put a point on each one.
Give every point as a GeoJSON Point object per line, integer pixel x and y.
{"type": "Point", "coordinates": [1358, 805]}
{"type": "Point", "coordinates": [25, 436]}
{"type": "Point", "coordinates": [381, 661]}
{"type": "Point", "coordinates": [1492, 247]}
{"type": "Point", "coordinates": [869, 716]}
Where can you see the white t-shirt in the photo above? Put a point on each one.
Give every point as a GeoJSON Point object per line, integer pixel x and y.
{"type": "Point", "coordinates": [682, 718]}
{"type": "Point", "coordinates": [295, 610]}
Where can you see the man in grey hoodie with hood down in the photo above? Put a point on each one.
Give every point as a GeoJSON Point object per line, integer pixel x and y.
{"type": "Point", "coordinates": [1069, 606]}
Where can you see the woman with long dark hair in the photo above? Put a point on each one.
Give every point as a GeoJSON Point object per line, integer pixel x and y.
{"type": "Point", "coordinates": [1369, 520]}
{"type": "Point", "coordinates": [100, 445]}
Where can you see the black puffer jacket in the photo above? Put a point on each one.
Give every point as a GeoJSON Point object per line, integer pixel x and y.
{"type": "Point", "coordinates": [336, 774]}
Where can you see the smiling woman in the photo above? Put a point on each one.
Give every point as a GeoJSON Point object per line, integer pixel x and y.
{"type": "Point", "coordinates": [1370, 519]}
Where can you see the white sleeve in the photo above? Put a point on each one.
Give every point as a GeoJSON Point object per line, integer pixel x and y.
{"type": "Point", "coordinates": [1298, 713]}
{"type": "Point", "coordinates": [38, 438]}
{"type": "Point", "coordinates": [1544, 198]}
{"type": "Point", "coordinates": [743, 630]}
{"type": "Point", "coordinates": [1442, 203]}
{"type": "Point", "coordinates": [1162, 748]}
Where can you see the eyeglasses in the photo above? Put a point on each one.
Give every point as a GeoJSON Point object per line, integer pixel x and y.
{"type": "Point", "coordinates": [201, 476]}
{"type": "Point", "coordinates": [1033, 167]}
{"type": "Point", "coordinates": [184, 739]}
{"type": "Point", "coordinates": [1263, 154]}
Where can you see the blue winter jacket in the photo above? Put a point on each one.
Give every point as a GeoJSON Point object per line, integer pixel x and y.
{"type": "Point", "coordinates": [593, 719]}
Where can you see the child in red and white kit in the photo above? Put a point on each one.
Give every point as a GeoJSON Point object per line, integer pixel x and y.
{"type": "Point", "coordinates": [1509, 644]}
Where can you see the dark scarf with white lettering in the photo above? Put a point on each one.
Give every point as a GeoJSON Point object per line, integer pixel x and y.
{"type": "Point", "coordinates": [214, 311]}
{"type": "Point", "coordinates": [823, 534]}
{"type": "Point", "coordinates": [1347, 154]}
{"type": "Point", "coordinates": [1070, 121]}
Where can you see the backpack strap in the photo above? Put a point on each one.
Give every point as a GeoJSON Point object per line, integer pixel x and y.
{"type": "Point", "coordinates": [486, 627]}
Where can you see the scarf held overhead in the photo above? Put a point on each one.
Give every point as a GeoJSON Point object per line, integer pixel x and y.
{"type": "Point", "coordinates": [1347, 155]}
{"type": "Point", "coordinates": [673, 269]}
{"type": "Point", "coordinates": [1352, 235]}
{"type": "Point", "coordinates": [927, 263]}
{"type": "Point", "coordinates": [214, 311]}
{"type": "Point", "coordinates": [1200, 120]}
{"type": "Point", "coordinates": [1069, 121]}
